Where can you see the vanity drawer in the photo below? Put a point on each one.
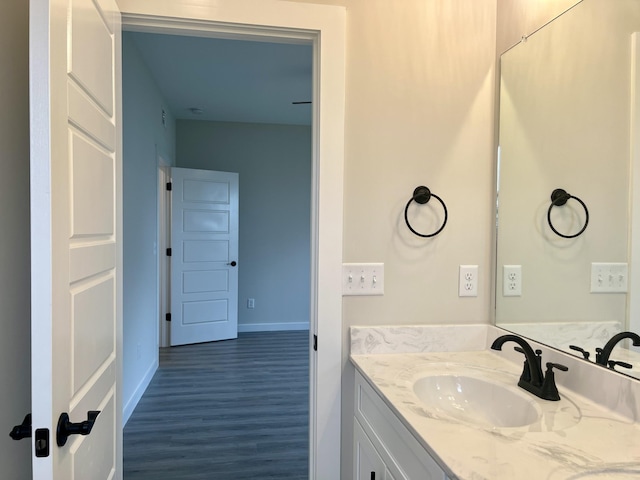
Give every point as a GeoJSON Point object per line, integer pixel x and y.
{"type": "Point", "coordinates": [401, 452]}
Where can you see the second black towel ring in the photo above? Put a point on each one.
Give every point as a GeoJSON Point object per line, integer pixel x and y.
{"type": "Point", "coordinates": [558, 198]}
{"type": "Point", "coordinates": [422, 195]}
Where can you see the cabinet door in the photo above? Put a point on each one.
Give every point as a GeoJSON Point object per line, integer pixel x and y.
{"type": "Point", "coordinates": [367, 465]}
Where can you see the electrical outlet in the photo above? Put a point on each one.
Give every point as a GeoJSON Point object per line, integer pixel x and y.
{"type": "Point", "coordinates": [363, 279]}
{"type": "Point", "coordinates": [251, 303]}
{"type": "Point", "coordinates": [609, 277]}
{"type": "Point", "coordinates": [512, 280]}
{"type": "Point", "coordinates": [468, 281]}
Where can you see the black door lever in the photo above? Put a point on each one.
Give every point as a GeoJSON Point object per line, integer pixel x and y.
{"type": "Point", "coordinates": [22, 431]}
{"type": "Point", "coordinates": [66, 428]}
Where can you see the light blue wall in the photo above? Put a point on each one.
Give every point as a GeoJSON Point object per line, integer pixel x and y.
{"type": "Point", "coordinates": [274, 164]}
{"type": "Point", "coordinates": [143, 138]}
{"type": "Point", "coordinates": [15, 357]}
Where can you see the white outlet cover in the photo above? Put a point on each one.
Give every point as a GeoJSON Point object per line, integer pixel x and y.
{"type": "Point", "coordinates": [512, 280]}
{"type": "Point", "coordinates": [468, 281]}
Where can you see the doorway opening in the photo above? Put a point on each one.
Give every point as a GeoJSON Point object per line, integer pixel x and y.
{"type": "Point", "coordinates": [293, 22]}
{"type": "Point", "coordinates": [298, 152]}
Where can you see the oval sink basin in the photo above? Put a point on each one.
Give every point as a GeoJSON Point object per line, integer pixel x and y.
{"type": "Point", "coordinates": [476, 401]}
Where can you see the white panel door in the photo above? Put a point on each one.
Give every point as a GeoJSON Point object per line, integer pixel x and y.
{"type": "Point", "coordinates": [75, 236]}
{"type": "Point", "coordinates": [204, 244]}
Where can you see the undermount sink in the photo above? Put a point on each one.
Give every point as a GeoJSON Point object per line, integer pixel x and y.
{"type": "Point", "coordinates": [485, 398]}
{"type": "Point", "coordinates": [475, 400]}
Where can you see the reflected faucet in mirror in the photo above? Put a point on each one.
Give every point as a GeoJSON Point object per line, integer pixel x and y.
{"type": "Point", "coordinates": [603, 354]}
{"type": "Point", "coordinates": [532, 379]}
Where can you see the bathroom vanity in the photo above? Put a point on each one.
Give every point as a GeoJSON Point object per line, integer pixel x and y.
{"type": "Point", "coordinates": [493, 430]}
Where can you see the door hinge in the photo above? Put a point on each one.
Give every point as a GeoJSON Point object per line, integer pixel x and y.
{"type": "Point", "coordinates": [167, 317]}
{"type": "Point", "coordinates": [315, 343]}
{"type": "Point", "coordinates": [169, 186]}
{"type": "Point", "coordinates": [42, 442]}
{"type": "Point", "coordinates": [168, 252]}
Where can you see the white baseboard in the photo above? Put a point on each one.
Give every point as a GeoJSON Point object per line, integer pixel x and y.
{"type": "Point", "coordinates": [272, 327]}
{"type": "Point", "coordinates": [139, 391]}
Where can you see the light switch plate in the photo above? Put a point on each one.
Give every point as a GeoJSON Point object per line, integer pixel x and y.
{"type": "Point", "coordinates": [609, 277]}
{"type": "Point", "coordinates": [363, 279]}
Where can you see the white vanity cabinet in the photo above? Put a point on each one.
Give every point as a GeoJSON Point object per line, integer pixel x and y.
{"type": "Point", "coordinates": [368, 464]}
{"type": "Point", "coordinates": [383, 447]}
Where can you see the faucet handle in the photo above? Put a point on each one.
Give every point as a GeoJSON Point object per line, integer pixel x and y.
{"type": "Point", "coordinates": [599, 356]}
{"type": "Point", "coordinates": [584, 353]}
{"type": "Point", "coordinates": [520, 350]}
{"type": "Point", "coordinates": [613, 363]}
{"type": "Point", "coordinates": [526, 370]}
{"type": "Point", "coordinates": [549, 389]}
{"type": "Point", "coordinates": [559, 366]}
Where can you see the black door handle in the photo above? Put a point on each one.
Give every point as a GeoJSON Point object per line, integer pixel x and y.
{"type": "Point", "coordinates": [66, 428]}
{"type": "Point", "coordinates": [22, 431]}
{"type": "Point", "coordinates": [233, 263]}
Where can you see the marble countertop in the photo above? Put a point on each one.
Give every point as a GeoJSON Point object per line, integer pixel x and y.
{"type": "Point", "coordinates": [585, 439]}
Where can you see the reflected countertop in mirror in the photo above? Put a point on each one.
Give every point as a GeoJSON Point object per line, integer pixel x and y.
{"type": "Point", "coordinates": [567, 121]}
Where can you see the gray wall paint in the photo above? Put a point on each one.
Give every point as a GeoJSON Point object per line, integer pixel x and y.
{"type": "Point", "coordinates": [143, 137]}
{"type": "Point", "coordinates": [274, 163]}
{"type": "Point", "coordinates": [15, 364]}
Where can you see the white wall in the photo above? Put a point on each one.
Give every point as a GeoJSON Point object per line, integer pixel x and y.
{"type": "Point", "coordinates": [517, 18]}
{"type": "Point", "coordinates": [15, 377]}
{"type": "Point", "coordinates": [143, 138]}
{"type": "Point", "coordinates": [419, 111]}
{"type": "Point", "coordinates": [274, 164]}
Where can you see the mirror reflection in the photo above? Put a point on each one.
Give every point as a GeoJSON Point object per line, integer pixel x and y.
{"type": "Point", "coordinates": [567, 121]}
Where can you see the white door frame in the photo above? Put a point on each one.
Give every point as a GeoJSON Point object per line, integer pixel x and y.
{"type": "Point", "coordinates": [323, 26]}
{"type": "Point", "coordinates": [162, 243]}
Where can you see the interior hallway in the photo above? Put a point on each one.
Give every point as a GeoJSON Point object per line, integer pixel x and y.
{"type": "Point", "coordinates": [231, 410]}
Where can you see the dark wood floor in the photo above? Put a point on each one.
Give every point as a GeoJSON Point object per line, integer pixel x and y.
{"type": "Point", "coordinates": [231, 410]}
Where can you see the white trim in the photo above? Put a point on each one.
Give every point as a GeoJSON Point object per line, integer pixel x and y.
{"type": "Point", "coordinates": [41, 225]}
{"type": "Point", "coordinates": [163, 173]}
{"type": "Point", "coordinates": [323, 26]}
{"type": "Point", "coordinates": [131, 405]}
{"type": "Point", "coordinates": [633, 297]}
{"type": "Point", "coordinates": [272, 327]}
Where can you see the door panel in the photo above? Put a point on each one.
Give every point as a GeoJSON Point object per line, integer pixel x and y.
{"type": "Point", "coordinates": [204, 242]}
{"type": "Point", "coordinates": [76, 218]}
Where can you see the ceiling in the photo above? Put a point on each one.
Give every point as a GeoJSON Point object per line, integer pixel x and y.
{"type": "Point", "coordinates": [230, 80]}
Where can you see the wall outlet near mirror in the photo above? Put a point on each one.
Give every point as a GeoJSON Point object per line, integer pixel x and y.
{"type": "Point", "coordinates": [468, 281]}
{"type": "Point", "coordinates": [609, 277]}
{"type": "Point", "coordinates": [512, 280]}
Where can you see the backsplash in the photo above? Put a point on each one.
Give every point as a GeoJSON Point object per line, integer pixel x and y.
{"type": "Point", "coordinates": [418, 338]}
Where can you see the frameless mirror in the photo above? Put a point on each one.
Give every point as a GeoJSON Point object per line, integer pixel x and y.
{"type": "Point", "coordinates": [568, 121]}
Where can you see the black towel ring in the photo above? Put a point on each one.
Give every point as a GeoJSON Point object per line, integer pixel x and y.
{"type": "Point", "coordinates": [558, 198]}
{"type": "Point", "coordinates": [422, 195]}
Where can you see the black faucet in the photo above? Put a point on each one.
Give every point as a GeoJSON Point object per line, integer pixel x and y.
{"type": "Point", "coordinates": [532, 379]}
{"type": "Point", "coordinates": [603, 354]}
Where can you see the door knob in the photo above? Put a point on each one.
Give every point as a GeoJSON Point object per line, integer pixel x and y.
{"type": "Point", "coordinates": [22, 431]}
{"type": "Point", "coordinates": [233, 263]}
{"type": "Point", "coordinates": [66, 428]}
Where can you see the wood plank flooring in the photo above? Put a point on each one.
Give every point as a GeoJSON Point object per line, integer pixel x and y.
{"type": "Point", "coordinates": [231, 410]}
